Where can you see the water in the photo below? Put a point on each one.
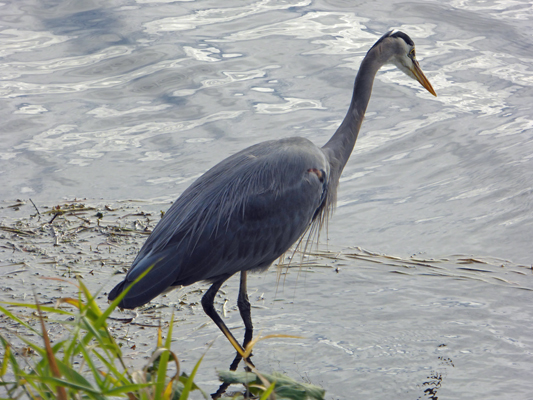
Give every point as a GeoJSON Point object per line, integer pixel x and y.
{"type": "Point", "coordinates": [134, 100]}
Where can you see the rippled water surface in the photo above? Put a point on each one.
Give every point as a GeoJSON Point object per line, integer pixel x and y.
{"type": "Point", "coordinates": [135, 99]}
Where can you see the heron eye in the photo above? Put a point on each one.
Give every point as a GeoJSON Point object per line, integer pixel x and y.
{"type": "Point", "coordinates": [412, 53]}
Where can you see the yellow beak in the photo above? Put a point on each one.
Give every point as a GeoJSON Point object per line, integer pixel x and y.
{"type": "Point", "coordinates": [420, 77]}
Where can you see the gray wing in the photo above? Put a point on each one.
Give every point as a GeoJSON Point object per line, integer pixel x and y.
{"type": "Point", "coordinates": [240, 215]}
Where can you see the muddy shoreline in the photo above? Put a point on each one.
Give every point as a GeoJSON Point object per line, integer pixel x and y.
{"type": "Point", "coordinates": [44, 249]}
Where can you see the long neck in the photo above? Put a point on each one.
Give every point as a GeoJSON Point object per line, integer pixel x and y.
{"type": "Point", "coordinates": [339, 148]}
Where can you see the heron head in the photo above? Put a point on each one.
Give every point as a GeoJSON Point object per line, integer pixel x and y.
{"type": "Point", "coordinates": [403, 55]}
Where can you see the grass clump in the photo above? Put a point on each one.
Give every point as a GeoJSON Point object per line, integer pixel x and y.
{"type": "Point", "coordinates": [88, 364]}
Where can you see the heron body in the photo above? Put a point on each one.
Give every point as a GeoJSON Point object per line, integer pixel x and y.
{"type": "Point", "coordinates": [240, 215]}
{"type": "Point", "coordinates": [250, 208]}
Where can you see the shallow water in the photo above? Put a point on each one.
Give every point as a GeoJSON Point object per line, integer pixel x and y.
{"type": "Point", "coordinates": [135, 100]}
{"type": "Point", "coordinates": [368, 325]}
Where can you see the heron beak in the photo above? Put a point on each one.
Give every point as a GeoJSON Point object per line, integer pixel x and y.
{"type": "Point", "coordinates": [420, 77]}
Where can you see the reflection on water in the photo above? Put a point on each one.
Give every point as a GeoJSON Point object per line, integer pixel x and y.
{"type": "Point", "coordinates": [339, 33]}
{"type": "Point", "coordinates": [289, 105]}
{"type": "Point", "coordinates": [135, 100]}
{"type": "Point", "coordinates": [110, 140]}
{"type": "Point", "coordinates": [218, 15]}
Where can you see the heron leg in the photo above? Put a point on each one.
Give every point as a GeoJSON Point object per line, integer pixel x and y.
{"type": "Point", "coordinates": [224, 386]}
{"type": "Point", "coordinates": [209, 308]}
{"type": "Point", "coordinates": [245, 310]}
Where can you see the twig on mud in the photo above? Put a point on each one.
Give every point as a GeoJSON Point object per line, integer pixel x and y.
{"type": "Point", "coordinates": [36, 209]}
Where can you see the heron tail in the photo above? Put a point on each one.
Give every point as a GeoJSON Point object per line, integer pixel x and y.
{"type": "Point", "coordinates": [160, 273]}
{"type": "Point", "coordinates": [116, 291]}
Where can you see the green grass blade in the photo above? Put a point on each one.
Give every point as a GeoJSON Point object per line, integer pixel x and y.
{"type": "Point", "coordinates": [114, 303]}
{"type": "Point", "coordinates": [161, 374]}
{"type": "Point", "coordinates": [189, 382]}
{"type": "Point", "coordinates": [34, 306]}
{"type": "Point", "coordinates": [266, 394]}
{"type": "Point", "coordinates": [90, 363]}
{"type": "Point", "coordinates": [111, 368]}
{"type": "Point", "coordinates": [163, 363]}
{"type": "Point", "coordinates": [50, 380]}
{"type": "Point", "coordinates": [93, 311]}
{"type": "Point", "coordinates": [69, 351]}
{"type": "Point", "coordinates": [126, 388]}
{"type": "Point", "coordinates": [17, 319]}
{"type": "Point", "coordinates": [72, 376]}
{"type": "Point", "coordinates": [7, 357]}
{"type": "Point", "coordinates": [168, 340]}
{"type": "Point", "coordinates": [101, 335]}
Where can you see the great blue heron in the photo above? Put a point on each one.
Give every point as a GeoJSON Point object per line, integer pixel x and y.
{"type": "Point", "coordinates": [250, 208]}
